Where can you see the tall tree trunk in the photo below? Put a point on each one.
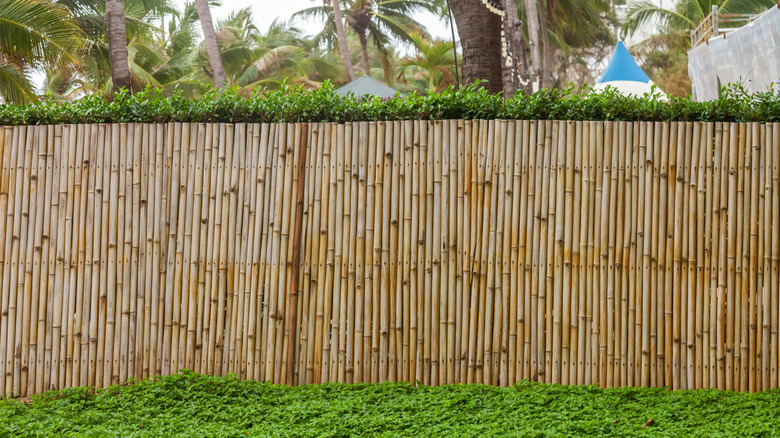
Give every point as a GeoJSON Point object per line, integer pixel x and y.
{"type": "Point", "coordinates": [342, 37]}
{"type": "Point", "coordinates": [117, 44]}
{"type": "Point", "coordinates": [532, 16]}
{"type": "Point", "coordinates": [364, 50]}
{"type": "Point", "coordinates": [517, 71]}
{"type": "Point", "coordinates": [546, 67]}
{"type": "Point", "coordinates": [480, 39]}
{"type": "Point", "coordinates": [212, 48]}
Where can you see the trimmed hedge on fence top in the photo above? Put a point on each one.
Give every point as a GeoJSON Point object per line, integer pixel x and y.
{"type": "Point", "coordinates": [292, 104]}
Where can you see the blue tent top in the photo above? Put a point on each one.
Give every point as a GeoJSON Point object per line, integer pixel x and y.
{"type": "Point", "coordinates": [622, 67]}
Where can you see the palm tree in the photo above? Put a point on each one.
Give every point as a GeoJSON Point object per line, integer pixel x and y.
{"type": "Point", "coordinates": [480, 39]}
{"type": "Point", "coordinates": [117, 44]}
{"type": "Point", "coordinates": [376, 21]}
{"type": "Point", "coordinates": [255, 60]}
{"type": "Point", "coordinates": [433, 63]}
{"type": "Point", "coordinates": [338, 20]}
{"type": "Point", "coordinates": [34, 34]}
{"type": "Point", "coordinates": [157, 58]}
{"type": "Point", "coordinates": [210, 40]}
{"type": "Point", "coordinates": [534, 35]}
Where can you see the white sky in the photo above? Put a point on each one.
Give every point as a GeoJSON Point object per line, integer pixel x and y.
{"type": "Point", "coordinates": [265, 11]}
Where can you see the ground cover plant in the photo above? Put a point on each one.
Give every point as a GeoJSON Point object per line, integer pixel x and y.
{"type": "Point", "coordinates": [294, 104]}
{"type": "Point", "coordinates": [188, 404]}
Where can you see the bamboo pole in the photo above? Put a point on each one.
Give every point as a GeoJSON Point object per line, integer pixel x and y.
{"type": "Point", "coordinates": [675, 270]}
{"type": "Point", "coordinates": [765, 255]}
{"type": "Point", "coordinates": [613, 268]}
{"type": "Point", "coordinates": [689, 343]}
{"type": "Point", "coordinates": [409, 263]}
{"type": "Point", "coordinates": [449, 289]}
{"type": "Point", "coordinates": [6, 142]}
{"type": "Point", "coordinates": [584, 253]}
{"type": "Point", "coordinates": [396, 264]}
{"type": "Point", "coordinates": [509, 257]}
{"type": "Point", "coordinates": [121, 309]}
{"type": "Point", "coordinates": [608, 254]}
{"type": "Point", "coordinates": [322, 255]}
{"type": "Point", "coordinates": [564, 191]}
{"type": "Point", "coordinates": [350, 269]}
{"type": "Point", "coordinates": [731, 239]}
{"type": "Point", "coordinates": [572, 326]}
{"type": "Point", "coordinates": [754, 301]}
{"type": "Point", "coordinates": [554, 133]}
{"type": "Point", "coordinates": [297, 227]}
{"type": "Point", "coordinates": [741, 373]}
{"type": "Point", "coordinates": [699, 153]}
{"type": "Point", "coordinates": [525, 251]}
{"type": "Point", "coordinates": [186, 275]}
{"type": "Point", "coordinates": [623, 246]}
{"type": "Point", "coordinates": [536, 311]}
{"type": "Point", "coordinates": [710, 267]}
{"type": "Point", "coordinates": [775, 248]}
{"type": "Point", "coordinates": [657, 133]}
{"type": "Point", "coordinates": [369, 295]}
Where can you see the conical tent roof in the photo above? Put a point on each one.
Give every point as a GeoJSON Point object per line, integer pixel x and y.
{"type": "Point", "coordinates": [625, 75]}
{"type": "Point", "coordinates": [623, 67]}
{"type": "Point", "coordinates": [366, 86]}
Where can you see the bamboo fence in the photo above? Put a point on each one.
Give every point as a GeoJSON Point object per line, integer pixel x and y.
{"type": "Point", "coordinates": [609, 253]}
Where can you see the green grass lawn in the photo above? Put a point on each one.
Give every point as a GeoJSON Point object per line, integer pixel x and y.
{"type": "Point", "coordinates": [192, 405]}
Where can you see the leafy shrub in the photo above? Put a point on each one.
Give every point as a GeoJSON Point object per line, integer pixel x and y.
{"type": "Point", "coordinates": [188, 404]}
{"type": "Point", "coordinates": [294, 104]}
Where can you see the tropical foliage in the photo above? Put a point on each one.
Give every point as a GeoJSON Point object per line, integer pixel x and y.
{"type": "Point", "coordinates": [432, 67]}
{"type": "Point", "coordinates": [59, 48]}
{"type": "Point", "coordinates": [34, 35]}
{"type": "Point", "coordinates": [380, 22]}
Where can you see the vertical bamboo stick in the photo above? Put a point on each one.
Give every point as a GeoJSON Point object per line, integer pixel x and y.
{"type": "Point", "coordinates": [710, 266]}
{"type": "Point", "coordinates": [525, 250]}
{"type": "Point", "coordinates": [608, 268]}
{"type": "Point", "coordinates": [701, 291]}
{"type": "Point", "coordinates": [564, 191]}
{"type": "Point", "coordinates": [409, 263]}
{"type": "Point", "coordinates": [658, 132]}
{"type": "Point", "coordinates": [742, 263]}
{"type": "Point", "coordinates": [754, 301]}
{"type": "Point", "coordinates": [6, 145]}
{"type": "Point", "coordinates": [775, 248]}
{"type": "Point", "coordinates": [555, 133]}
{"type": "Point", "coordinates": [584, 254]}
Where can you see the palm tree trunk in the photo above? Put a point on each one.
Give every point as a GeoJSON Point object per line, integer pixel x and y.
{"type": "Point", "coordinates": [342, 37]}
{"type": "Point", "coordinates": [117, 44]}
{"type": "Point", "coordinates": [532, 15]}
{"type": "Point", "coordinates": [212, 48]}
{"type": "Point", "coordinates": [545, 79]}
{"type": "Point", "coordinates": [518, 64]}
{"type": "Point", "coordinates": [364, 49]}
{"type": "Point", "coordinates": [480, 38]}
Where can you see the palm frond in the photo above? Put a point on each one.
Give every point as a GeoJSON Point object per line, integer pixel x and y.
{"type": "Point", "coordinates": [36, 32]}
{"type": "Point", "coordinates": [15, 87]}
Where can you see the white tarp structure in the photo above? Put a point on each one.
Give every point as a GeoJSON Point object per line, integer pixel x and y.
{"type": "Point", "coordinates": [625, 75]}
{"type": "Point", "coordinates": [749, 55]}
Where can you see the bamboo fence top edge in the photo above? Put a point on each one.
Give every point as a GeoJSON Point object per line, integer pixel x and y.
{"type": "Point", "coordinates": [11, 126]}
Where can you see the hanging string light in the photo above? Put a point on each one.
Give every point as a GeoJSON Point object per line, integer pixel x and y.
{"type": "Point", "coordinates": [506, 51]}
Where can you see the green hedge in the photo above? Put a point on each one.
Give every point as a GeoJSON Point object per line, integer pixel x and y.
{"type": "Point", "coordinates": [291, 104]}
